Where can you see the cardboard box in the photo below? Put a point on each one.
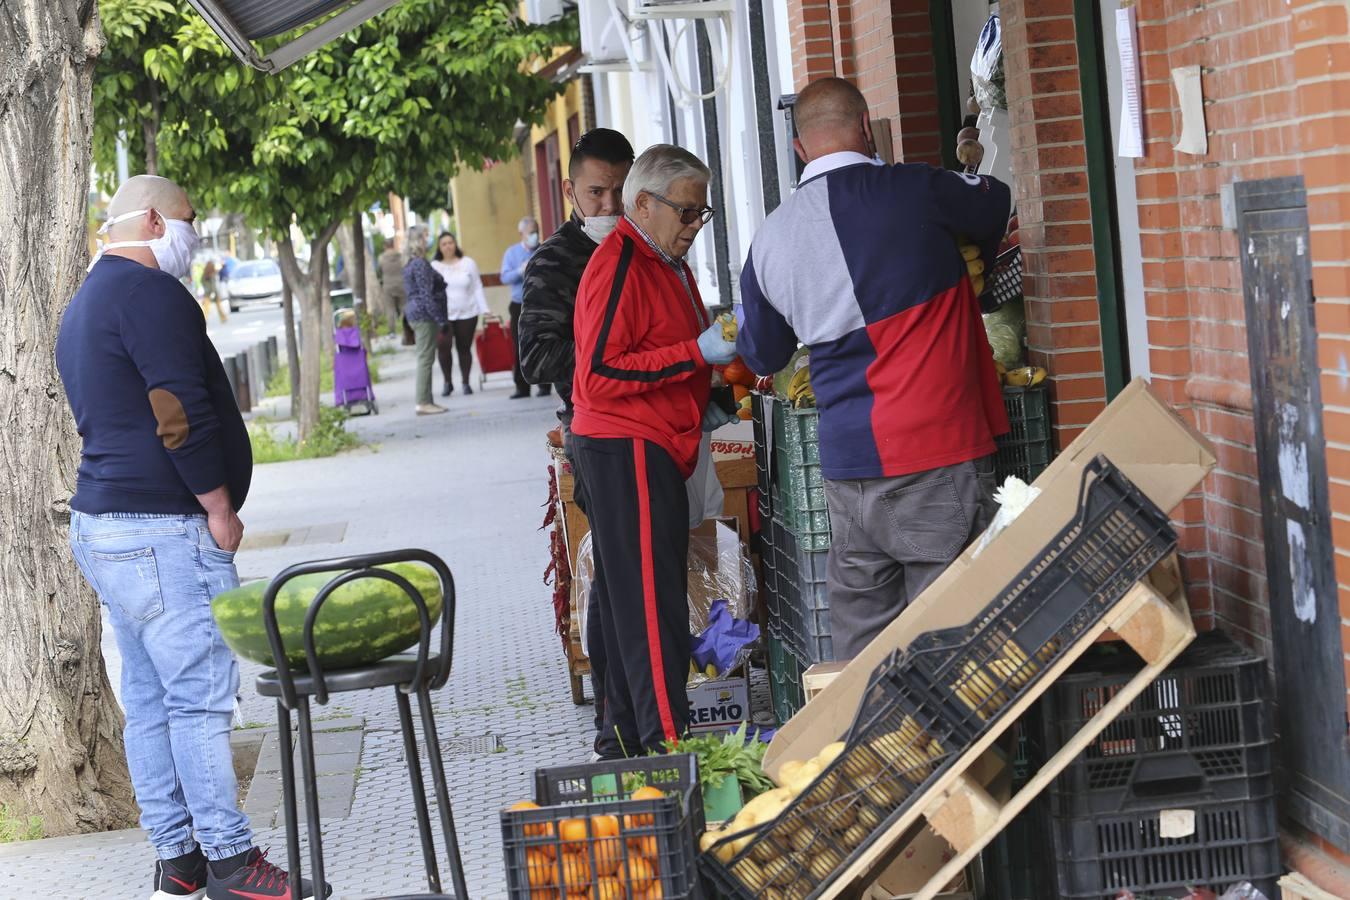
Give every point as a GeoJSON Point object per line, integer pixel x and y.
{"type": "Point", "coordinates": [817, 677]}
{"type": "Point", "coordinates": [1161, 454]}
{"type": "Point", "coordinates": [734, 441]}
{"type": "Point", "coordinates": [719, 704]}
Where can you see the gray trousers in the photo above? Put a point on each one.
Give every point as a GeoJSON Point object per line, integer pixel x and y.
{"type": "Point", "coordinates": [425, 333]}
{"type": "Point", "coordinates": [892, 537]}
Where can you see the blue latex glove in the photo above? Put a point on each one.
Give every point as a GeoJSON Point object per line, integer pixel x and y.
{"type": "Point", "coordinates": [715, 349]}
{"type": "Point", "coordinates": [714, 417]}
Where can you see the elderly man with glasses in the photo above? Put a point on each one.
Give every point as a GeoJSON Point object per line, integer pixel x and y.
{"type": "Point", "coordinates": [642, 396]}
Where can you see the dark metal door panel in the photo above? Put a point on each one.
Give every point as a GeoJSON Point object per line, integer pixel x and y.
{"type": "Point", "coordinates": [1291, 460]}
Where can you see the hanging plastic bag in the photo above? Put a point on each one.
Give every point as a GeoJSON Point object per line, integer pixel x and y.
{"type": "Point", "coordinates": [705, 490]}
{"type": "Point", "coordinates": [986, 67]}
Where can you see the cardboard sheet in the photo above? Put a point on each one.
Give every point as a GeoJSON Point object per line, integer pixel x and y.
{"type": "Point", "coordinates": [1161, 454]}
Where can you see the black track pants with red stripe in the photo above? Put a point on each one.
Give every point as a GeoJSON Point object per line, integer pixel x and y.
{"type": "Point", "coordinates": [639, 515]}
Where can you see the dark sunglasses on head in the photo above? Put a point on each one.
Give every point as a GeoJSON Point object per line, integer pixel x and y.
{"type": "Point", "coordinates": [688, 214]}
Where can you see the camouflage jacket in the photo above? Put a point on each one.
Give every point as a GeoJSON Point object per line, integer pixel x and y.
{"type": "Point", "coordinates": [547, 348]}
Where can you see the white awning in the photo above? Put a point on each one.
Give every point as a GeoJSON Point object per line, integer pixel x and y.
{"type": "Point", "coordinates": [241, 22]}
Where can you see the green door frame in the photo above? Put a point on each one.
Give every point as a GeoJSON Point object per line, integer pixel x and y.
{"type": "Point", "coordinates": [1101, 194]}
{"type": "Point", "coordinates": [950, 105]}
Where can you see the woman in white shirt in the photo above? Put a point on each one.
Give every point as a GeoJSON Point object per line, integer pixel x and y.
{"type": "Point", "coordinates": [464, 302]}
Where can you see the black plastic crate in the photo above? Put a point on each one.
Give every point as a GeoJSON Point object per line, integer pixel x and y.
{"type": "Point", "coordinates": [786, 581]}
{"type": "Point", "coordinates": [762, 423]}
{"type": "Point", "coordinates": [1017, 862]}
{"type": "Point", "coordinates": [1203, 731]}
{"type": "Point", "coordinates": [897, 745]}
{"type": "Point", "coordinates": [1003, 284]}
{"type": "Point", "coordinates": [586, 826]}
{"type": "Point", "coordinates": [1099, 856]}
{"type": "Point", "coordinates": [1027, 449]}
{"type": "Point", "coordinates": [785, 681]}
{"type": "Point", "coordinates": [981, 668]}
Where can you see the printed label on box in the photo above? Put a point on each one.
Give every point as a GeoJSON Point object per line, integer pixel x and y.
{"type": "Point", "coordinates": [1176, 823]}
{"type": "Point", "coordinates": [719, 704]}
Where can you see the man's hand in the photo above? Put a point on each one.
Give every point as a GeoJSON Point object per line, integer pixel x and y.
{"type": "Point", "coordinates": [714, 417]}
{"type": "Point", "coordinates": [221, 519]}
{"type": "Point", "coordinates": [716, 349]}
{"type": "Point", "coordinates": [226, 529]}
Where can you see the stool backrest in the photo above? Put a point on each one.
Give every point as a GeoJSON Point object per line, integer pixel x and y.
{"type": "Point", "coordinates": [356, 568]}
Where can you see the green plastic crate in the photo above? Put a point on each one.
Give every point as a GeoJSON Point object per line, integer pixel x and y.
{"type": "Point", "coordinates": [785, 681]}
{"type": "Point", "coordinates": [801, 485]}
{"type": "Point", "coordinates": [1027, 449]}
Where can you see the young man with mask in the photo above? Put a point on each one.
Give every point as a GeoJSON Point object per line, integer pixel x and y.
{"type": "Point", "coordinates": [861, 264]}
{"type": "Point", "coordinates": [154, 525]}
{"type": "Point", "coordinates": [514, 261]}
{"type": "Point", "coordinates": [596, 171]}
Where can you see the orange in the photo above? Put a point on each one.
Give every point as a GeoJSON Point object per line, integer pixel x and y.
{"type": "Point", "coordinates": [605, 826]}
{"type": "Point", "coordinates": [637, 872]}
{"type": "Point", "coordinates": [540, 869]}
{"type": "Point", "coordinates": [644, 846]}
{"type": "Point", "coordinates": [642, 793]}
{"type": "Point", "coordinates": [608, 855]}
{"type": "Point", "coordinates": [654, 891]}
{"type": "Point", "coordinates": [539, 829]}
{"type": "Point", "coordinates": [573, 834]}
{"type": "Point", "coordinates": [609, 889]}
{"type": "Point", "coordinates": [576, 872]}
{"type": "Point", "coordinates": [545, 893]}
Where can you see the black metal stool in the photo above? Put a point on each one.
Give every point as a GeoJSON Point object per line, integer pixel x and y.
{"type": "Point", "coordinates": [418, 673]}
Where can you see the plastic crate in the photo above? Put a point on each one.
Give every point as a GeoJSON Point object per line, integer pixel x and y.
{"type": "Point", "coordinates": [1027, 449]}
{"type": "Point", "coordinates": [898, 743]}
{"type": "Point", "coordinates": [1201, 732]}
{"type": "Point", "coordinates": [1016, 862]}
{"type": "Point", "coordinates": [801, 485]}
{"type": "Point", "coordinates": [1004, 282]}
{"type": "Point", "coordinates": [981, 668]}
{"type": "Point", "coordinates": [533, 844]}
{"type": "Point", "coordinates": [808, 625]}
{"type": "Point", "coordinates": [1099, 856]}
{"type": "Point", "coordinates": [763, 442]}
{"type": "Point", "coordinates": [786, 581]}
{"type": "Point", "coordinates": [785, 681]}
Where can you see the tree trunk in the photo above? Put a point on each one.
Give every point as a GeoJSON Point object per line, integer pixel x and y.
{"type": "Point", "coordinates": [364, 283]}
{"type": "Point", "coordinates": [352, 247]}
{"type": "Point", "coordinates": [292, 349]}
{"type": "Point", "coordinates": [302, 284]}
{"type": "Point", "coordinates": [150, 129]}
{"type": "Point", "coordinates": [61, 755]}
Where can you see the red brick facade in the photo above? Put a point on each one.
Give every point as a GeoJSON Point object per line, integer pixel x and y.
{"type": "Point", "coordinates": [1276, 80]}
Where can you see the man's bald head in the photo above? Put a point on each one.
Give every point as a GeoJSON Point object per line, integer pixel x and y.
{"type": "Point", "coordinates": [148, 192]}
{"type": "Point", "coordinates": [831, 115]}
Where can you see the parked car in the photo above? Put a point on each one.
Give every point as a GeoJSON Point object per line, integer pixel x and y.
{"type": "Point", "coordinates": [254, 280]}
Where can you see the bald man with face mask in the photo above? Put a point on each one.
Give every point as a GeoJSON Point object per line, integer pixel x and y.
{"type": "Point", "coordinates": [154, 526]}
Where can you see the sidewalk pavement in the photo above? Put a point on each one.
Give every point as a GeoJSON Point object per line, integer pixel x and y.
{"type": "Point", "coordinates": [468, 486]}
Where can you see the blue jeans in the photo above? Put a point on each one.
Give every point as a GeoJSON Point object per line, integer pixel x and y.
{"type": "Point", "coordinates": [156, 574]}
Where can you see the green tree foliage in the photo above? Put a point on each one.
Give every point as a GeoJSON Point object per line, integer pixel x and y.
{"type": "Point", "coordinates": [399, 104]}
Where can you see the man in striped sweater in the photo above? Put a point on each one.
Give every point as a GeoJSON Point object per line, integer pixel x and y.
{"type": "Point", "coordinates": [861, 264]}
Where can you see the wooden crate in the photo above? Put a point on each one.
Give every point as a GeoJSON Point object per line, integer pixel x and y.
{"type": "Point", "coordinates": [1153, 618]}
{"type": "Point", "coordinates": [1297, 887]}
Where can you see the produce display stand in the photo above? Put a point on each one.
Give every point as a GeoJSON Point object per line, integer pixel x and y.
{"type": "Point", "coordinates": [737, 477]}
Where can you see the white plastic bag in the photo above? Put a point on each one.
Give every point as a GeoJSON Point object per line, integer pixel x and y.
{"type": "Point", "coordinates": [986, 67]}
{"type": "Point", "coordinates": [705, 490]}
{"type": "Point", "coordinates": [1013, 497]}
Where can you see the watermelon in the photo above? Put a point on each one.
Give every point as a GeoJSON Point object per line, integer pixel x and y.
{"type": "Point", "coordinates": [360, 623]}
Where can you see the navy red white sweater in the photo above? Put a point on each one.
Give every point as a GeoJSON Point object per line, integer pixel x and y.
{"type": "Point", "coordinates": [639, 372]}
{"type": "Point", "coordinates": [862, 265]}
{"type": "Point", "coordinates": [150, 397]}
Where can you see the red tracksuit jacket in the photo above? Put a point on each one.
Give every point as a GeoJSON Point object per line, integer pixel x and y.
{"type": "Point", "coordinates": [639, 371]}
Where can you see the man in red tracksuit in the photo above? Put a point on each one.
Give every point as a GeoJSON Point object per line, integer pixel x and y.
{"type": "Point", "coordinates": [645, 348]}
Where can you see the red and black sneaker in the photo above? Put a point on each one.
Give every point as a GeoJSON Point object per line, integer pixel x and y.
{"type": "Point", "coordinates": [257, 879]}
{"type": "Point", "coordinates": [183, 877]}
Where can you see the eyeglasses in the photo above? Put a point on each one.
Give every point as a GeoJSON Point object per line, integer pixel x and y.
{"type": "Point", "coordinates": [688, 214]}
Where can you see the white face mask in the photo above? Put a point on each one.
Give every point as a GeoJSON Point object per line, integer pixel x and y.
{"type": "Point", "coordinates": [532, 240]}
{"type": "Point", "coordinates": [597, 228]}
{"type": "Point", "coordinates": [173, 249]}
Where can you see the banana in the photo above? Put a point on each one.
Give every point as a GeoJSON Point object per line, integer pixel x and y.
{"type": "Point", "coordinates": [975, 267]}
{"type": "Point", "coordinates": [969, 252]}
{"type": "Point", "coordinates": [711, 671]}
{"type": "Point", "coordinates": [729, 328]}
{"type": "Point", "coordinates": [977, 282]}
{"type": "Point", "coordinates": [800, 393]}
{"type": "Point", "coordinates": [1027, 376]}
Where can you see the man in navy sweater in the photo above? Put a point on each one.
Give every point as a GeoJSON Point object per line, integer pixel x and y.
{"type": "Point", "coordinates": [154, 526]}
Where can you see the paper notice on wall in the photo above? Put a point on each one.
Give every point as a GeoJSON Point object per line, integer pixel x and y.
{"type": "Point", "coordinates": [1191, 101]}
{"type": "Point", "coordinates": [1131, 141]}
{"type": "Point", "coordinates": [1176, 823]}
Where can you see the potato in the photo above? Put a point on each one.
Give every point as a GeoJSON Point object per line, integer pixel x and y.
{"type": "Point", "coordinates": [854, 837]}
{"type": "Point", "coordinates": [749, 872]}
{"type": "Point", "coordinates": [801, 779]}
{"type": "Point", "coordinates": [787, 770]}
{"type": "Point", "coordinates": [823, 862]}
{"type": "Point", "coordinates": [830, 753]}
